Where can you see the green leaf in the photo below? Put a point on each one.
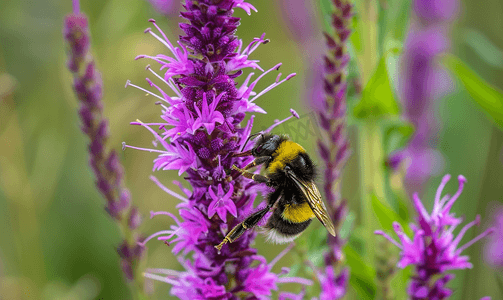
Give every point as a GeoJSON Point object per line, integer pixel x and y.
{"type": "Point", "coordinates": [394, 19]}
{"type": "Point", "coordinates": [316, 256]}
{"type": "Point", "coordinates": [314, 245]}
{"type": "Point", "coordinates": [397, 133]}
{"type": "Point", "coordinates": [404, 206]}
{"type": "Point", "coordinates": [485, 95]}
{"type": "Point", "coordinates": [400, 282]}
{"type": "Point", "coordinates": [483, 46]}
{"type": "Point", "coordinates": [362, 276]}
{"type": "Point", "coordinates": [295, 269]}
{"type": "Point", "coordinates": [347, 225]}
{"type": "Point", "coordinates": [377, 97]}
{"type": "Point", "coordinates": [355, 38]}
{"type": "Point", "coordinates": [386, 216]}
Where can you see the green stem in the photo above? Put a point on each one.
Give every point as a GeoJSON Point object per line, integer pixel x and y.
{"type": "Point", "coordinates": [372, 179]}
{"type": "Point", "coordinates": [371, 154]}
{"type": "Point", "coordinates": [367, 26]}
{"type": "Point", "coordinates": [136, 286]}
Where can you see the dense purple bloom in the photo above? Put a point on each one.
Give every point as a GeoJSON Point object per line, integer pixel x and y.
{"type": "Point", "coordinates": [201, 130]}
{"type": "Point", "coordinates": [332, 106]}
{"type": "Point", "coordinates": [421, 83]}
{"type": "Point", "coordinates": [434, 249]}
{"type": "Point", "coordinates": [107, 169]}
{"type": "Point", "coordinates": [493, 249]}
{"type": "Point", "coordinates": [333, 287]}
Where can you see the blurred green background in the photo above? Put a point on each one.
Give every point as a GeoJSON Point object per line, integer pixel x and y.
{"type": "Point", "coordinates": [57, 242]}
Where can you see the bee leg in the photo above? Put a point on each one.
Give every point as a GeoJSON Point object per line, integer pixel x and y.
{"type": "Point", "coordinates": [256, 162]}
{"type": "Point", "coordinates": [256, 177]}
{"type": "Point", "coordinates": [239, 229]}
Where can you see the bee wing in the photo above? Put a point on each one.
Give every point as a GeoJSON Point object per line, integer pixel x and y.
{"type": "Point", "coordinates": [313, 197]}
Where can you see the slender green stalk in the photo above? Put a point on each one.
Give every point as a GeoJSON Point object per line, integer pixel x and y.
{"type": "Point", "coordinates": [371, 155]}
{"type": "Point", "coordinates": [367, 26]}
{"type": "Point", "coordinates": [372, 179]}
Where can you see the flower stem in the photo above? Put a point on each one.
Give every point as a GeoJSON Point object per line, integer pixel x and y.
{"type": "Point", "coordinates": [371, 154]}
{"type": "Point", "coordinates": [367, 27]}
{"type": "Point", "coordinates": [372, 179]}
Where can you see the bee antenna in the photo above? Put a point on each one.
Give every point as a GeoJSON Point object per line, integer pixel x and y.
{"type": "Point", "coordinates": [248, 139]}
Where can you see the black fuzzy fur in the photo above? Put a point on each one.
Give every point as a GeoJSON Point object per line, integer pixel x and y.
{"type": "Point", "coordinates": [286, 191]}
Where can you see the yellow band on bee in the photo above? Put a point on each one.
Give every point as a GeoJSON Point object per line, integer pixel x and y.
{"type": "Point", "coordinates": [285, 153]}
{"type": "Point", "coordinates": [297, 213]}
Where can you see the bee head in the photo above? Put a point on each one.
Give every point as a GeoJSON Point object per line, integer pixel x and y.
{"type": "Point", "coordinates": [266, 145]}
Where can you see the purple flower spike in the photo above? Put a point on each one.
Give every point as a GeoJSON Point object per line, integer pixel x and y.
{"type": "Point", "coordinates": [104, 162]}
{"type": "Point", "coordinates": [202, 110]}
{"type": "Point", "coordinates": [422, 83]}
{"type": "Point", "coordinates": [332, 287]}
{"type": "Point", "coordinates": [334, 146]}
{"type": "Point", "coordinates": [434, 249]}
{"type": "Point", "coordinates": [332, 107]}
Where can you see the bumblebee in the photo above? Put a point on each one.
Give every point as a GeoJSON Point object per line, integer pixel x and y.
{"type": "Point", "coordinates": [295, 200]}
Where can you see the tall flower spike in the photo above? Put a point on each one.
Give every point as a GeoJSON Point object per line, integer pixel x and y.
{"type": "Point", "coordinates": [422, 82]}
{"type": "Point", "coordinates": [334, 146]}
{"type": "Point", "coordinates": [202, 112]}
{"type": "Point", "coordinates": [105, 163]}
{"type": "Point", "coordinates": [434, 249]}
